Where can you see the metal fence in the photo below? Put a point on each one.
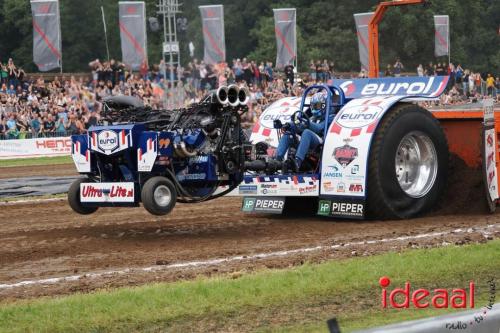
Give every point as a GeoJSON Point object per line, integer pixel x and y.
{"type": "Point", "coordinates": [473, 321]}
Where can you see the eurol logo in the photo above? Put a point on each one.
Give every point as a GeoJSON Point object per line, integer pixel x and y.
{"type": "Point", "coordinates": [430, 86]}
{"type": "Point", "coordinates": [405, 297]}
{"type": "Point", "coordinates": [107, 140]}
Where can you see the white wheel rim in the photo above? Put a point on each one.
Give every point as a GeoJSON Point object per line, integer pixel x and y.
{"type": "Point", "coordinates": [416, 164]}
{"type": "Point", "coordinates": [162, 195]}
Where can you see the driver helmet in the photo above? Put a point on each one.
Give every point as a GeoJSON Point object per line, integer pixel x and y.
{"type": "Point", "coordinates": [318, 104]}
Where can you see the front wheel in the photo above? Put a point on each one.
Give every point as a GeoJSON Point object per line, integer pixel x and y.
{"type": "Point", "coordinates": [158, 195]}
{"type": "Point", "coordinates": [408, 164]}
{"type": "Point", "coordinates": [74, 198]}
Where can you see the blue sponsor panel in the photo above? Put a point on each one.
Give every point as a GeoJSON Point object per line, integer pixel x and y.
{"type": "Point", "coordinates": [430, 87]}
{"type": "Point", "coordinates": [197, 169]}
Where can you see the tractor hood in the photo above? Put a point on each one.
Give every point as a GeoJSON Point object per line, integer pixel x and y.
{"type": "Point", "coordinates": [109, 140]}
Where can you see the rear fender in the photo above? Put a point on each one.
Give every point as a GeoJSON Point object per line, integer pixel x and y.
{"type": "Point", "coordinates": [344, 164]}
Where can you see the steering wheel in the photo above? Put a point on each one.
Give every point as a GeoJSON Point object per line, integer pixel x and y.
{"type": "Point", "coordinates": [301, 117]}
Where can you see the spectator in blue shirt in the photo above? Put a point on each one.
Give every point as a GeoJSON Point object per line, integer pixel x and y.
{"type": "Point", "coordinates": [12, 132]}
{"type": "Point", "coordinates": [35, 125]}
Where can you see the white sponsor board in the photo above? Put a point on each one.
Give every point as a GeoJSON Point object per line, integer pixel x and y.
{"type": "Point", "coordinates": [280, 186]}
{"type": "Point", "coordinates": [40, 147]}
{"type": "Point", "coordinates": [107, 192]}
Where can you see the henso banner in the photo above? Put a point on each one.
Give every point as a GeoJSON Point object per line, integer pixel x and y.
{"type": "Point", "coordinates": [40, 147]}
{"type": "Point", "coordinates": [362, 20]}
{"type": "Point", "coordinates": [442, 40]}
{"type": "Point", "coordinates": [132, 22]}
{"type": "Point", "coordinates": [286, 36]}
{"type": "Point", "coordinates": [212, 18]}
{"type": "Point", "coordinates": [46, 34]}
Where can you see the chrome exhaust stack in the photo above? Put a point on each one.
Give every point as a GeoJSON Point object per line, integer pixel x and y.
{"type": "Point", "coordinates": [232, 95]}
{"type": "Point", "coordinates": [221, 95]}
{"type": "Point", "coordinates": [243, 95]}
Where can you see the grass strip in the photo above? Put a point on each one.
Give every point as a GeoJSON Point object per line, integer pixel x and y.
{"type": "Point", "coordinates": [347, 289]}
{"type": "Point", "coordinates": [35, 161]}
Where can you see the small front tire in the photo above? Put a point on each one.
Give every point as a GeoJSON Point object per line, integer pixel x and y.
{"type": "Point", "coordinates": [74, 198]}
{"type": "Point", "coordinates": [158, 195]}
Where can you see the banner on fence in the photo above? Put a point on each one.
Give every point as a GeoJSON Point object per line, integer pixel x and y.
{"type": "Point", "coordinates": [132, 23]}
{"type": "Point", "coordinates": [212, 18]}
{"type": "Point", "coordinates": [286, 36]}
{"type": "Point", "coordinates": [442, 35]}
{"type": "Point", "coordinates": [46, 34]}
{"type": "Point", "coordinates": [362, 20]}
{"type": "Point", "coordinates": [40, 147]}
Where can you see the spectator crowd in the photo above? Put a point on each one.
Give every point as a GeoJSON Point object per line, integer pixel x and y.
{"type": "Point", "coordinates": [34, 107]}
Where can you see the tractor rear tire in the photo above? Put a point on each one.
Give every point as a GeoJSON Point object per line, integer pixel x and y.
{"type": "Point", "coordinates": [74, 198]}
{"type": "Point", "coordinates": [158, 195]}
{"type": "Point", "coordinates": [408, 164]}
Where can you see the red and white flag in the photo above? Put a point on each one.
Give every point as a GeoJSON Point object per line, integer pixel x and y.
{"type": "Point", "coordinates": [442, 34]}
{"type": "Point", "coordinates": [212, 18]}
{"type": "Point", "coordinates": [285, 27]}
{"type": "Point", "coordinates": [132, 22]}
{"type": "Point", "coordinates": [362, 20]}
{"type": "Point", "coordinates": [46, 34]}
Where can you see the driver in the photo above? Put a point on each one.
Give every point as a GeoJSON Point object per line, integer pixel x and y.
{"type": "Point", "coordinates": [311, 132]}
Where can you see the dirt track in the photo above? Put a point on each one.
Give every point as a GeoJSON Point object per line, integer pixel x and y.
{"type": "Point", "coordinates": [38, 170]}
{"type": "Point", "coordinates": [46, 239]}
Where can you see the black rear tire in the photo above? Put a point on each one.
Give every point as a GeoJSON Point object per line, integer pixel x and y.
{"type": "Point", "coordinates": [165, 199]}
{"type": "Point", "coordinates": [74, 198]}
{"type": "Point", "coordinates": [386, 198]}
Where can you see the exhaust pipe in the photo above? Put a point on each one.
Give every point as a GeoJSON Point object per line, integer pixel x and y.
{"type": "Point", "coordinates": [221, 95]}
{"type": "Point", "coordinates": [232, 95]}
{"type": "Point", "coordinates": [243, 95]}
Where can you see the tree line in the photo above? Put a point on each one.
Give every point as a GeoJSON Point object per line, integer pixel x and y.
{"type": "Point", "coordinates": [325, 30]}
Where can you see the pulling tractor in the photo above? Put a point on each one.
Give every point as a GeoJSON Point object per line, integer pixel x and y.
{"type": "Point", "coordinates": [383, 155]}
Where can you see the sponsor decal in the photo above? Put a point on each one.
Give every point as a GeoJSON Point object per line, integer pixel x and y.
{"type": "Point", "coordinates": [348, 87]}
{"type": "Point", "coordinates": [268, 191]}
{"type": "Point", "coordinates": [307, 189]}
{"type": "Point", "coordinates": [324, 207]}
{"type": "Point", "coordinates": [263, 205]}
{"type": "Point", "coordinates": [268, 186]}
{"type": "Point", "coordinates": [53, 143]}
{"type": "Point", "coordinates": [345, 154]}
{"type": "Point", "coordinates": [192, 176]}
{"type": "Point", "coordinates": [107, 192]}
{"type": "Point", "coordinates": [359, 116]}
{"type": "Point", "coordinates": [488, 112]}
{"type": "Point", "coordinates": [198, 159]}
{"type": "Point", "coordinates": [248, 204]}
{"type": "Point", "coordinates": [355, 169]}
{"type": "Point", "coordinates": [347, 209]}
{"type": "Point", "coordinates": [328, 187]}
{"type": "Point", "coordinates": [107, 140]}
{"type": "Point", "coordinates": [284, 114]}
{"type": "Point", "coordinates": [428, 86]}
{"type": "Point", "coordinates": [247, 189]}
{"type": "Point", "coordinates": [164, 143]}
{"type": "Point", "coordinates": [340, 187]}
{"type": "Point", "coordinates": [355, 188]}
{"type": "Point", "coordinates": [333, 172]}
